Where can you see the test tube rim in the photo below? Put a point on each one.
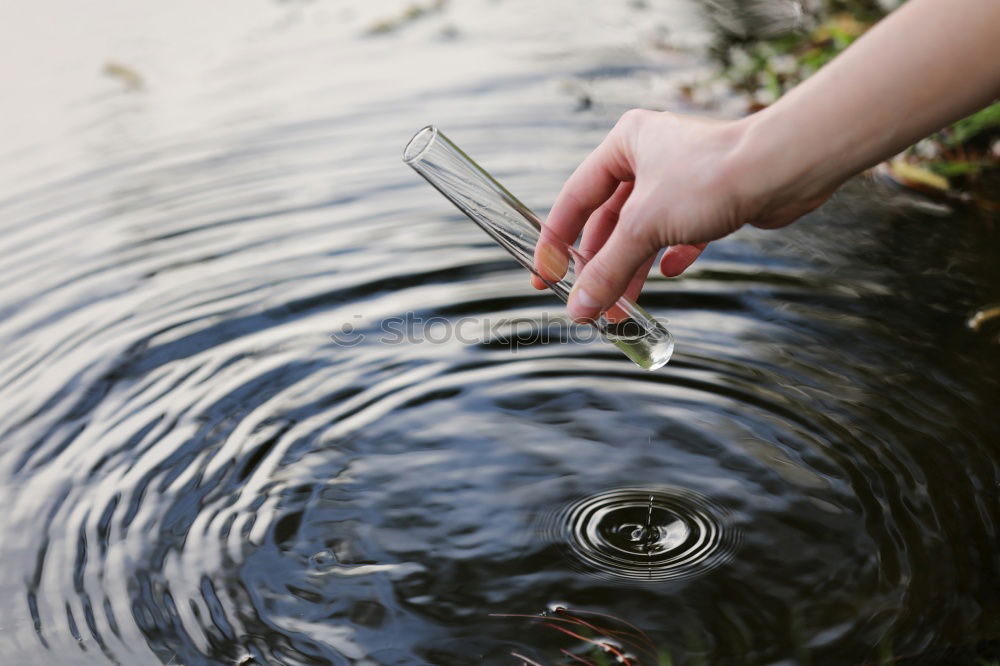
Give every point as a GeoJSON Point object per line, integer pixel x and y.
{"type": "Point", "coordinates": [414, 149]}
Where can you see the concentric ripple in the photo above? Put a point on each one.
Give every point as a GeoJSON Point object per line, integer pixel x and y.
{"type": "Point", "coordinates": [222, 442]}
{"type": "Point", "coordinates": [648, 533]}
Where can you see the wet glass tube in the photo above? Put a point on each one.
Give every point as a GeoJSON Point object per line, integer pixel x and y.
{"type": "Point", "coordinates": [509, 222]}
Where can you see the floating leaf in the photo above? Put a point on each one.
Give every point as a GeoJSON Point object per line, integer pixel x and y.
{"type": "Point", "coordinates": [918, 177]}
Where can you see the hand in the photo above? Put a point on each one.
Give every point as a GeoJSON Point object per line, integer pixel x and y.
{"type": "Point", "coordinates": [659, 180]}
{"type": "Point", "coordinates": [662, 180]}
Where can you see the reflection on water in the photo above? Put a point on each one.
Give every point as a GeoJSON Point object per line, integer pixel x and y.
{"type": "Point", "coordinates": [195, 471]}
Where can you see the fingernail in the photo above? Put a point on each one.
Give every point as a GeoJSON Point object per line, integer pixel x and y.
{"type": "Point", "coordinates": [582, 306]}
{"type": "Point", "coordinates": [552, 263]}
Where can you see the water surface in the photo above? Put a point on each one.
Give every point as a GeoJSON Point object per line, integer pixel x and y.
{"type": "Point", "coordinates": [212, 454]}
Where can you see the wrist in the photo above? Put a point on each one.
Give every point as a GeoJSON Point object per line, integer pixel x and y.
{"type": "Point", "coordinates": [781, 169]}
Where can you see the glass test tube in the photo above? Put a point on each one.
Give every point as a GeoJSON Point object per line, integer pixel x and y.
{"type": "Point", "coordinates": [511, 224]}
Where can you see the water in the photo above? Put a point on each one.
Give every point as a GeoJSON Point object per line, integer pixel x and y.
{"type": "Point", "coordinates": [639, 534]}
{"type": "Point", "coordinates": [253, 414]}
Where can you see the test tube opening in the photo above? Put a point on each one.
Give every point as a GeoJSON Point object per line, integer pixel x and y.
{"type": "Point", "coordinates": [419, 144]}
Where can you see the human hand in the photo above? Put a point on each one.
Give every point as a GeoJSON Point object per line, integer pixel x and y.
{"type": "Point", "coordinates": [660, 180]}
{"type": "Point", "coordinates": [663, 180]}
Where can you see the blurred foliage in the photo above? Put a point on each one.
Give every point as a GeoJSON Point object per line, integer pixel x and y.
{"type": "Point", "coordinates": [864, 10]}
{"type": "Point", "coordinates": [969, 128]}
{"type": "Point", "coordinates": [961, 162]}
{"type": "Point", "coordinates": [767, 68]}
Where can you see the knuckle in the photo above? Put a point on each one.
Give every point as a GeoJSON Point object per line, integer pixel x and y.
{"type": "Point", "coordinates": [574, 203]}
{"type": "Point", "coordinates": [629, 124]}
{"type": "Point", "coordinates": [634, 234]}
{"type": "Point", "coordinates": [631, 118]}
{"type": "Point", "coordinates": [607, 216]}
{"type": "Point", "coordinates": [637, 232]}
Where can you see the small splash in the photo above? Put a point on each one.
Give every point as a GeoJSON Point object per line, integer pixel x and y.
{"type": "Point", "coordinates": [647, 533]}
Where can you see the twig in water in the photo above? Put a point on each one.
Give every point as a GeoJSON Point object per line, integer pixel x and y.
{"type": "Point", "coordinates": [527, 661]}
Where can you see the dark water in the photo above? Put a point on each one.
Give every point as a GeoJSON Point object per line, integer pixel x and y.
{"type": "Point", "coordinates": [211, 453]}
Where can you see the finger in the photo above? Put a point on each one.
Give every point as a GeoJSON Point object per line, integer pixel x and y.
{"type": "Point", "coordinates": [635, 286]}
{"type": "Point", "coordinates": [595, 233]}
{"type": "Point", "coordinates": [639, 279]}
{"type": "Point", "coordinates": [677, 258]}
{"type": "Point", "coordinates": [590, 186]}
{"type": "Point", "coordinates": [599, 228]}
{"type": "Point", "coordinates": [551, 262]}
{"type": "Point", "coordinates": [605, 277]}
{"type": "Point", "coordinates": [615, 313]}
{"type": "Point", "coordinates": [603, 221]}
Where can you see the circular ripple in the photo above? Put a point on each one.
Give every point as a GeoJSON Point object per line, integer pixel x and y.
{"type": "Point", "coordinates": [648, 533]}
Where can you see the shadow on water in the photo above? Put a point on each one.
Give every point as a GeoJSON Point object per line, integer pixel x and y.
{"type": "Point", "coordinates": [215, 453]}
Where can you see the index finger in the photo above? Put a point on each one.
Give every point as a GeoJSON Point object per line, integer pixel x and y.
{"type": "Point", "coordinates": [592, 184]}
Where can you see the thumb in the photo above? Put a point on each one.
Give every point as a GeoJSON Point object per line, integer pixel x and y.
{"type": "Point", "coordinates": [605, 278]}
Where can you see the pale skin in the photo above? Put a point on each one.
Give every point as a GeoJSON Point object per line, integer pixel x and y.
{"type": "Point", "coordinates": [661, 180]}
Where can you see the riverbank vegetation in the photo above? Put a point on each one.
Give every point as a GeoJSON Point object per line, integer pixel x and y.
{"type": "Point", "coordinates": [760, 62]}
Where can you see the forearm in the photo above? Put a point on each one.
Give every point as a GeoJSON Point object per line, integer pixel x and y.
{"type": "Point", "coordinates": [928, 64]}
